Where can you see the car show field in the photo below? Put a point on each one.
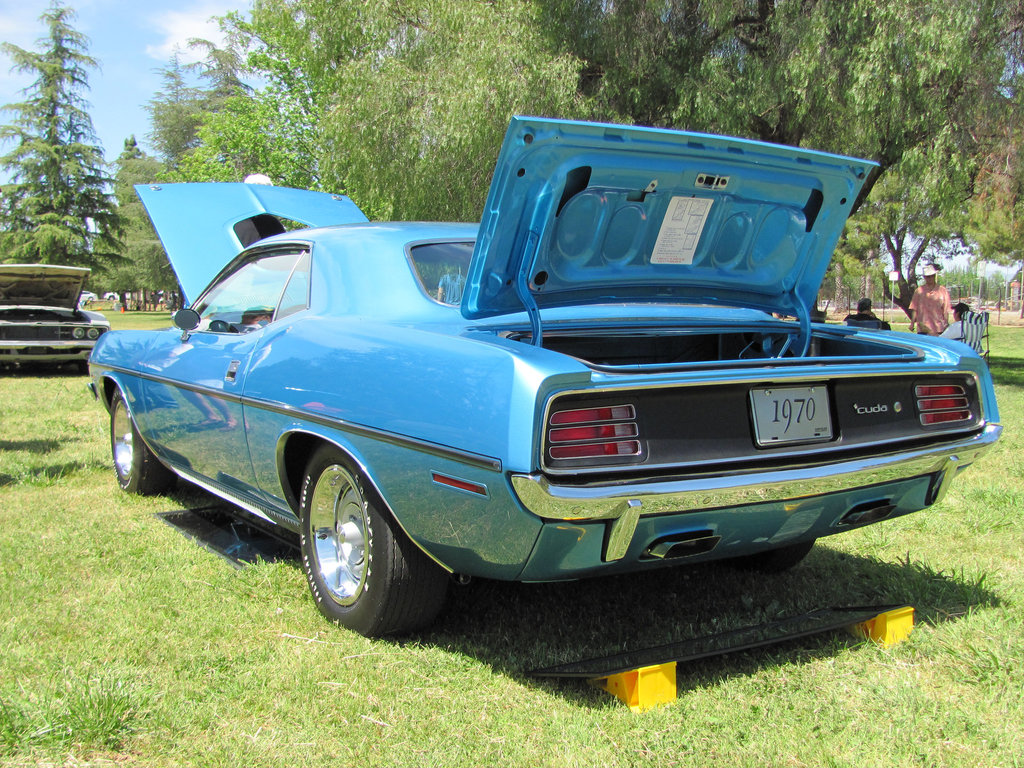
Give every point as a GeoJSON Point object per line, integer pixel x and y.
{"type": "Point", "coordinates": [126, 642]}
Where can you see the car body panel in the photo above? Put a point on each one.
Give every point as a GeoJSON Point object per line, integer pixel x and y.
{"type": "Point", "coordinates": [224, 218]}
{"type": "Point", "coordinates": [41, 285]}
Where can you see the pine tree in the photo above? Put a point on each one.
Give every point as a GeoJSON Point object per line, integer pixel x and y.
{"type": "Point", "coordinates": [57, 208]}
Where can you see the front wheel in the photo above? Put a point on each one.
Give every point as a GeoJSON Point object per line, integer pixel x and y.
{"type": "Point", "coordinates": [363, 571]}
{"type": "Point", "coordinates": [138, 470]}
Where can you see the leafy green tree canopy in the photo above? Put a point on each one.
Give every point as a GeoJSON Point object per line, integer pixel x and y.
{"type": "Point", "coordinates": [401, 105]}
{"type": "Point", "coordinates": [145, 265]}
{"type": "Point", "coordinates": [57, 208]}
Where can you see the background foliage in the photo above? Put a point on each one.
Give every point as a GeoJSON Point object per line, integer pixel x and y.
{"type": "Point", "coordinates": [402, 104]}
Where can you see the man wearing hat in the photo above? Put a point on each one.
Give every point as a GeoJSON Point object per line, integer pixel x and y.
{"type": "Point", "coordinates": [929, 307]}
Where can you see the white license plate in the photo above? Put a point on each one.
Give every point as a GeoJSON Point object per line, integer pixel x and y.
{"type": "Point", "coordinates": [790, 415]}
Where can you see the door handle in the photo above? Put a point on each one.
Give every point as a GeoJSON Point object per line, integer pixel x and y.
{"type": "Point", "coordinates": [232, 370]}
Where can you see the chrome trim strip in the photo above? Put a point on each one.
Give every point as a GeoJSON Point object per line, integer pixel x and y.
{"type": "Point", "coordinates": [605, 501]}
{"type": "Point", "coordinates": [46, 343]}
{"type": "Point", "coordinates": [424, 446]}
{"type": "Point", "coordinates": [220, 493]}
{"type": "Point", "coordinates": [434, 449]}
{"type": "Point", "coordinates": [791, 379]}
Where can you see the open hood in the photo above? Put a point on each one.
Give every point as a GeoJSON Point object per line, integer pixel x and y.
{"type": "Point", "coordinates": [586, 213]}
{"type": "Point", "coordinates": [41, 285]}
{"type": "Point", "coordinates": [204, 226]}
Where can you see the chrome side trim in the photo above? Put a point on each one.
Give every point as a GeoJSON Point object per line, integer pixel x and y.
{"type": "Point", "coordinates": [220, 493]}
{"type": "Point", "coordinates": [605, 501]}
{"type": "Point", "coordinates": [424, 446]}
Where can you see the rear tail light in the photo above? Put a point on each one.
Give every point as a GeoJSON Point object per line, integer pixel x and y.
{"type": "Point", "coordinates": [594, 433]}
{"type": "Point", "coordinates": [585, 415]}
{"type": "Point", "coordinates": [942, 404]}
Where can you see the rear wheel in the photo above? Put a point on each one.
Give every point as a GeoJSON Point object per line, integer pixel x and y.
{"type": "Point", "coordinates": [138, 470]}
{"type": "Point", "coordinates": [774, 560]}
{"type": "Point", "coordinates": [363, 571]}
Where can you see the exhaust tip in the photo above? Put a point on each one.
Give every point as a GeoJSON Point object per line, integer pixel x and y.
{"type": "Point", "coordinates": [868, 512]}
{"type": "Point", "coordinates": [680, 545]}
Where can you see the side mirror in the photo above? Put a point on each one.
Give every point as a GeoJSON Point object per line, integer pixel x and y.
{"type": "Point", "coordinates": [187, 320]}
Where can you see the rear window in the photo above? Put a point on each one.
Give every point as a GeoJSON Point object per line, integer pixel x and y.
{"type": "Point", "coordinates": [442, 269]}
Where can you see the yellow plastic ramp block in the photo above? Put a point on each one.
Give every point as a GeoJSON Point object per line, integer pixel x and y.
{"type": "Point", "coordinates": [887, 628]}
{"type": "Point", "coordinates": [643, 688]}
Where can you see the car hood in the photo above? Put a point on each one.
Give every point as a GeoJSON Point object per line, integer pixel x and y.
{"type": "Point", "coordinates": [41, 285]}
{"type": "Point", "coordinates": [204, 226]}
{"type": "Point", "coordinates": [587, 213]}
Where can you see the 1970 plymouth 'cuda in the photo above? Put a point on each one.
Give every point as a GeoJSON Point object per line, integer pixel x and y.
{"type": "Point", "coordinates": [615, 370]}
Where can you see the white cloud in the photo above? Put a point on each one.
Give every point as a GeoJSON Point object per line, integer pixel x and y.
{"type": "Point", "coordinates": [179, 26]}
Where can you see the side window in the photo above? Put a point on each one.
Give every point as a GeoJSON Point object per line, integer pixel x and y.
{"type": "Point", "coordinates": [296, 293]}
{"type": "Point", "coordinates": [442, 269]}
{"type": "Point", "coordinates": [246, 298]}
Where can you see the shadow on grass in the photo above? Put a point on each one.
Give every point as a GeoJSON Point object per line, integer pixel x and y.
{"type": "Point", "coordinates": [519, 627]}
{"type": "Point", "coordinates": [30, 446]}
{"type": "Point", "coordinates": [41, 370]}
{"type": "Point", "coordinates": [45, 475]}
{"type": "Point", "coordinates": [1007, 371]}
{"type": "Point", "coordinates": [515, 628]}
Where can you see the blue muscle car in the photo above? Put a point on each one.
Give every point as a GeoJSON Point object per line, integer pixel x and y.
{"type": "Point", "coordinates": [615, 370]}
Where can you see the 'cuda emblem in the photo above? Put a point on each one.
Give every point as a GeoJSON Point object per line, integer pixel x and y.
{"type": "Point", "coordinates": [876, 408]}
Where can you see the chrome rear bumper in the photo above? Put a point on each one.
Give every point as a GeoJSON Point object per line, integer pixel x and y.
{"type": "Point", "coordinates": [623, 503]}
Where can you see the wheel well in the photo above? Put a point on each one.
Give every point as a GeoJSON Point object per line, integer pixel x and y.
{"type": "Point", "coordinates": [109, 387]}
{"type": "Point", "coordinates": [295, 454]}
{"type": "Point", "coordinates": [298, 447]}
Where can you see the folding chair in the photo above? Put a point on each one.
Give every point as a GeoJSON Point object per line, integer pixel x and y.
{"type": "Point", "coordinates": [873, 324]}
{"type": "Point", "coordinates": [975, 326]}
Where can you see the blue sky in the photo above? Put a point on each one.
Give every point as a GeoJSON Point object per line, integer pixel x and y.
{"type": "Point", "coordinates": [131, 39]}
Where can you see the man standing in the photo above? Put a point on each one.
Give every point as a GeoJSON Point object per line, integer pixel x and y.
{"type": "Point", "coordinates": [929, 307]}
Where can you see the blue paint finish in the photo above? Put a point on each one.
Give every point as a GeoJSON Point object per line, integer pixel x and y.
{"type": "Point", "coordinates": [202, 241]}
{"type": "Point", "coordinates": [773, 216]}
{"type": "Point", "coordinates": [407, 386]}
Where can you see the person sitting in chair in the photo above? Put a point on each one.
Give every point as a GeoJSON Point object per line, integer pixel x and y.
{"type": "Point", "coordinates": [865, 315]}
{"type": "Point", "coordinates": [955, 330]}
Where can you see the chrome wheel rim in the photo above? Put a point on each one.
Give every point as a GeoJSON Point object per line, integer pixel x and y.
{"type": "Point", "coordinates": [122, 440]}
{"type": "Point", "coordinates": [337, 518]}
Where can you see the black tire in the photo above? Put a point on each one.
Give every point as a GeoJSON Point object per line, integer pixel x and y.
{"type": "Point", "coordinates": [363, 571]}
{"type": "Point", "coordinates": [774, 560]}
{"type": "Point", "coordinates": [136, 468]}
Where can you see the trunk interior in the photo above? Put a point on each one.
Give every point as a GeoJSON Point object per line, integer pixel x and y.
{"type": "Point", "coordinates": [694, 348]}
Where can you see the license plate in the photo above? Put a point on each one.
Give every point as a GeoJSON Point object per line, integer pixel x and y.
{"type": "Point", "coordinates": [790, 415]}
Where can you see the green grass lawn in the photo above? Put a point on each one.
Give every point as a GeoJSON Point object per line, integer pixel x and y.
{"type": "Point", "coordinates": [125, 643]}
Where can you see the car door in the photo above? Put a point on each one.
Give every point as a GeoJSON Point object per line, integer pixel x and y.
{"type": "Point", "coordinates": [194, 405]}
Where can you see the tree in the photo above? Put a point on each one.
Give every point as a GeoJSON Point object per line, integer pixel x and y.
{"type": "Point", "coordinates": [56, 209]}
{"type": "Point", "coordinates": [179, 109]}
{"type": "Point", "coordinates": [145, 265]}
{"type": "Point", "coordinates": [175, 114]}
{"type": "Point", "coordinates": [401, 105]}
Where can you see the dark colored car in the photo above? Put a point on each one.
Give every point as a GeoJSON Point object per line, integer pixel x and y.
{"type": "Point", "coordinates": [40, 318]}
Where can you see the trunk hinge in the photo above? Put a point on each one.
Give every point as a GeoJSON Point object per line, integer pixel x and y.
{"type": "Point", "coordinates": [523, 286]}
{"type": "Point", "coordinates": [803, 316]}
